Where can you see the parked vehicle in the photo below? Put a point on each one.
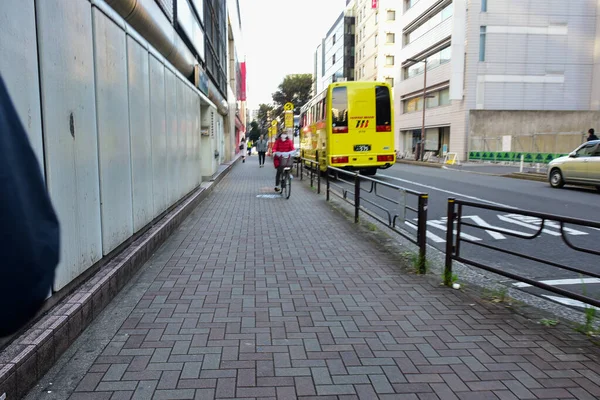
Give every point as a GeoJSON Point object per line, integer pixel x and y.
{"type": "Point", "coordinates": [350, 125]}
{"type": "Point", "coordinates": [580, 167]}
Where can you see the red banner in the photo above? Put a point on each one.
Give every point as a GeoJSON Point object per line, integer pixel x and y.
{"type": "Point", "coordinates": [242, 94]}
{"type": "Point", "coordinates": [373, 3]}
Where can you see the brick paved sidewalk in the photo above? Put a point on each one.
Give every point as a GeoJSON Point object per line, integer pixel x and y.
{"type": "Point", "coordinates": [271, 298]}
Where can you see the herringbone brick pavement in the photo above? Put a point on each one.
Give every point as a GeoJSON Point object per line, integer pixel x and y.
{"type": "Point", "coordinates": [263, 298]}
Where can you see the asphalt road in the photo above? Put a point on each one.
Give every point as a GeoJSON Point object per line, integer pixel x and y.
{"type": "Point", "coordinates": [515, 194]}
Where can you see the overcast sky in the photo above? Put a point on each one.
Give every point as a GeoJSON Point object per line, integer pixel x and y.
{"type": "Point", "coordinates": [280, 38]}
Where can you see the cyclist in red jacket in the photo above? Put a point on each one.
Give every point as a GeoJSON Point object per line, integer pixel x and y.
{"type": "Point", "coordinates": [282, 144]}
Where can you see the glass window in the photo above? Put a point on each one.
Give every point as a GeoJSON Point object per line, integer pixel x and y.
{"type": "Point", "coordinates": [383, 109]}
{"type": "Point", "coordinates": [339, 109]}
{"type": "Point", "coordinates": [389, 60]}
{"type": "Point", "coordinates": [376, 37]}
{"type": "Point", "coordinates": [390, 38]}
{"type": "Point", "coordinates": [410, 3]}
{"type": "Point", "coordinates": [391, 15]}
{"type": "Point", "coordinates": [333, 59]}
{"type": "Point", "coordinates": [413, 105]}
{"type": "Point", "coordinates": [376, 17]}
{"type": "Point", "coordinates": [433, 100]}
{"type": "Point", "coordinates": [445, 97]}
{"type": "Point", "coordinates": [483, 5]}
{"type": "Point", "coordinates": [587, 150]}
{"type": "Point", "coordinates": [390, 81]}
{"type": "Point", "coordinates": [432, 22]}
{"type": "Point", "coordinates": [333, 39]}
{"type": "Point", "coordinates": [375, 62]}
{"type": "Point", "coordinates": [445, 55]}
{"type": "Point", "coordinates": [433, 61]}
{"type": "Point", "coordinates": [482, 38]}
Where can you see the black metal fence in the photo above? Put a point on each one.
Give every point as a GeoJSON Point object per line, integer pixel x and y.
{"type": "Point", "coordinates": [306, 168]}
{"type": "Point", "coordinates": [394, 207]}
{"type": "Point", "coordinates": [454, 240]}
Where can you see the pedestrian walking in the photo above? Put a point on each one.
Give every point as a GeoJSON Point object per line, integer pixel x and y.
{"type": "Point", "coordinates": [243, 149]}
{"type": "Point", "coordinates": [250, 144]}
{"type": "Point", "coordinates": [262, 145]}
{"type": "Point", "coordinates": [29, 228]}
{"type": "Point", "coordinates": [591, 135]}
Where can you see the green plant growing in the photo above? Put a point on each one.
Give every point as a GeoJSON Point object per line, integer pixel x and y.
{"type": "Point", "coordinates": [549, 322]}
{"type": "Point", "coordinates": [497, 295]}
{"type": "Point", "coordinates": [454, 278]}
{"type": "Point", "coordinates": [420, 264]}
{"type": "Point", "coordinates": [371, 227]}
{"type": "Point", "coordinates": [590, 317]}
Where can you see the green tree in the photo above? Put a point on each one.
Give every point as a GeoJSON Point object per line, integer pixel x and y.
{"type": "Point", "coordinates": [254, 132]}
{"type": "Point", "coordinates": [265, 111]}
{"type": "Point", "coordinates": [296, 89]}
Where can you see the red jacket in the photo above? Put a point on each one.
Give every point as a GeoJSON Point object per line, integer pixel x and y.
{"type": "Point", "coordinates": [282, 146]}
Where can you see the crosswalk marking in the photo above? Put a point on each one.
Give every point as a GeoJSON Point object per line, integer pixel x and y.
{"type": "Point", "coordinates": [429, 235]}
{"type": "Point", "coordinates": [443, 226]}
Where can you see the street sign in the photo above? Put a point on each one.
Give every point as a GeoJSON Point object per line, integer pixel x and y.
{"type": "Point", "coordinates": [289, 119]}
{"type": "Point", "coordinates": [288, 106]}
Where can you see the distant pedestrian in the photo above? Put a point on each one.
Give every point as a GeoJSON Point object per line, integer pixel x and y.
{"type": "Point", "coordinates": [29, 229]}
{"type": "Point", "coordinates": [250, 144]}
{"type": "Point", "coordinates": [243, 149]}
{"type": "Point", "coordinates": [591, 135]}
{"type": "Point", "coordinates": [262, 145]}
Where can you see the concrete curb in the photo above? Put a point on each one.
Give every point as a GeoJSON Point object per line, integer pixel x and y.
{"type": "Point", "coordinates": [526, 176]}
{"type": "Point", "coordinates": [33, 353]}
{"type": "Point", "coordinates": [419, 163]}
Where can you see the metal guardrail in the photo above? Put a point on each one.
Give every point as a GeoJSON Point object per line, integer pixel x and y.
{"type": "Point", "coordinates": [313, 172]}
{"type": "Point", "coordinates": [397, 212]}
{"type": "Point", "coordinates": [454, 240]}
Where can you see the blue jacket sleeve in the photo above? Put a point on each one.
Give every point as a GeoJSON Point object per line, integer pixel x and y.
{"type": "Point", "coordinates": [29, 230]}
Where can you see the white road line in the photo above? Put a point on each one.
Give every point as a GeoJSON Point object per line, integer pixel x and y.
{"type": "Point", "coordinates": [479, 221]}
{"type": "Point", "coordinates": [450, 192]}
{"type": "Point", "coordinates": [569, 302]}
{"type": "Point", "coordinates": [509, 219]}
{"type": "Point", "coordinates": [444, 227]}
{"type": "Point", "coordinates": [430, 235]}
{"type": "Point", "coordinates": [557, 282]}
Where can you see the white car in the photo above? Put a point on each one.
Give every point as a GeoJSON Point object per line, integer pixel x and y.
{"type": "Point", "coordinates": [580, 167]}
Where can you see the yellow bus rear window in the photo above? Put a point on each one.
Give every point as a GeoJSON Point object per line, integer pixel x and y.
{"type": "Point", "coordinates": [339, 110]}
{"type": "Point", "coordinates": [383, 109]}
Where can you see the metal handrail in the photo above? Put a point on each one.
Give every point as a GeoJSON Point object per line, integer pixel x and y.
{"type": "Point", "coordinates": [454, 240]}
{"type": "Point", "coordinates": [391, 223]}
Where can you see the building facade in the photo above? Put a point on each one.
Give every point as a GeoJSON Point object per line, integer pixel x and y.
{"type": "Point", "coordinates": [376, 38]}
{"type": "Point", "coordinates": [502, 75]}
{"type": "Point", "coordinates": [334, 57]}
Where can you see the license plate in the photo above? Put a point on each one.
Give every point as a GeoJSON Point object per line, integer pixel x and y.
{"type": "Point", "coordinates": [362, 147]}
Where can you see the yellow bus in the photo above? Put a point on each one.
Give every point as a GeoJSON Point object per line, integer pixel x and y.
{"type": "Point", "coordinates": [350, 125]}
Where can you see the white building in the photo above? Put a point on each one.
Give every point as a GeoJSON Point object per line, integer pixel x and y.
{"type": "Point", "coordinates": [503, 75]}
{"type": "Point", "coordinates": [334, 57]}
{"type": "Point", "coordinates": [376, 38]}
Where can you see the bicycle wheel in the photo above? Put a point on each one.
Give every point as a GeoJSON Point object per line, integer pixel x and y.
{"type": "Point", "coordinates": [288, 184]}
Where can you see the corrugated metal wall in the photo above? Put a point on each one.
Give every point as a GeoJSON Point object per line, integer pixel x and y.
{"type": "Point", "coordinates": [120, 127]}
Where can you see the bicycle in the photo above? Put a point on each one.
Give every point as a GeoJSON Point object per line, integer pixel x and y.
{"type": "Point", "coordinates": [286, 160]}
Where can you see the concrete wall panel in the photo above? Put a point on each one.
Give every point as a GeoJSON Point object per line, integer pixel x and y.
{"type": "Point", "coordinates": [113, 131]}
{"type": "Point", "coordinates": [19, 67]}
{"type": "Point", "coordinates": [141, 133]}
{"type": "Point", "coordinates": [70, 145]}
{"type": "Point", "coordinates": [158, 127]}
{"type": "Point", "coordinates": [172, 121]}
